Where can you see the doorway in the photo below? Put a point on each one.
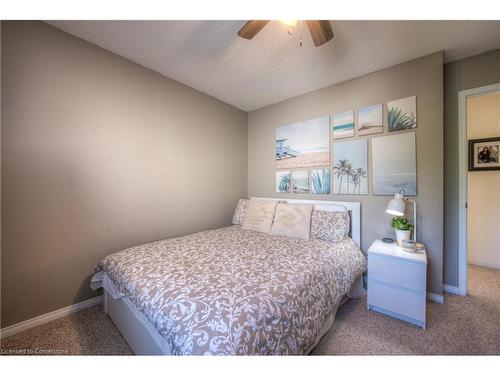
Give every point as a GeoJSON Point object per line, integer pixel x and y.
{"type": "Point", "coordinates": [479, 197]}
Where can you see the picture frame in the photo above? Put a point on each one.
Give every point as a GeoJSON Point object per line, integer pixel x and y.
{"type": "Point", "coordinates": [402, 114]}
{"type": "Point", "coordinates": [370, 119]}
{"type": "Point", "coordinates": [320, 181]}
{"type": "Point", "coordinates": [283, 182]}
{"type": "Point", "coordinates": [484, 154]}
{"type": "Point", "coordinates": [300, 181]}
{"type": "Point", "coordinates": [303, 144]}
{"type": "Point", "coordinates": [394, 164]}
{"type": "Point", "coordinates": [350, 167]}
{"type": "Point", "coordinates": [343, 124]}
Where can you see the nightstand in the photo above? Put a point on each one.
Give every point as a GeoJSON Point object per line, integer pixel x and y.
{"type": "Point", "coordinates": [397, 282]}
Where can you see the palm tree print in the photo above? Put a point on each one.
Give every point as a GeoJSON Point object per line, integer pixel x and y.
{"type": "Point", "coordinates": [344, 169]}
{"type": "Point", "coordinates": [356, 176]}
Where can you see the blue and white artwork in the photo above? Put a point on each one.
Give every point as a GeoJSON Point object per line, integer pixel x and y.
{"type": "Point", "coordinates": [394, 164]}
{"type": "Point", "coordinates": [303, 144]}
{"type": "Point", "coordinates": [320, 181]}
{"type": "Point", "coordinates": [283, 182]}
{"type": "Point", "coordinates": [350, 167]}
{"type": "Point", "coordinates": [300, 181]}
{"type": "Point", "coordinates": [343, 125]}
{"type": "Point", "coordinates": [370, 119]}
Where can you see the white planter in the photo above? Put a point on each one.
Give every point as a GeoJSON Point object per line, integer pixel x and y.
{"type": "Point", "coordinates": [402, 234]}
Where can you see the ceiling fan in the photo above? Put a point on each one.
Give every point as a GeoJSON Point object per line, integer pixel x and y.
{"type": "Point", "coordinates": [321, 31]}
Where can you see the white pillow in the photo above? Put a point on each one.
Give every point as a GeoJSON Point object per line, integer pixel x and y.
{"type": "Point", "coordinates": [292, 220]}
{"type": "Point", "coordinates": [259, 216]}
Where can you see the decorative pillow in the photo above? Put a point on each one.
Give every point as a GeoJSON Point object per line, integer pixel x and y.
{"type": "Point", "coordinates": [239, 213]}
{"type": "Point", "coordinates": [259, 216]}
{"type": "Point", "coordinates": [330, 225]}
{"type": "Point", "coordinates": [292, 220]}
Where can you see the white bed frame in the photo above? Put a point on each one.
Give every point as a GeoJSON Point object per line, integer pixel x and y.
{"type": "Point", "coordinates": [144, 339]}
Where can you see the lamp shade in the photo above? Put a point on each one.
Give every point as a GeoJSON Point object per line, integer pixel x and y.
{"type": "Point", "coordinates": [396, 206]}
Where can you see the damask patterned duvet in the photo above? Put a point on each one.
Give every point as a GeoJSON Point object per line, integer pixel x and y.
{"type": "Point", "coordinates": [232, 291]}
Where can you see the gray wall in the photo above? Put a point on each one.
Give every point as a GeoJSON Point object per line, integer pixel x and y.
{"type": "Point", "coordinates": [422, 77]}
{"type": "Point", "coordinates": [99, 154]}
{"type": "Point", "coordinates": [476, 71]}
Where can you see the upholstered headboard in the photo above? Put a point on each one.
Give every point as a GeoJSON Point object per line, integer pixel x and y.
{"type": "Point", "coordinates": [353, 208]}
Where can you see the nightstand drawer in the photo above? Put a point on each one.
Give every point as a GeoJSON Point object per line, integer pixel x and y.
{"type": "Point", "coordinates": [406, 303]}
{"type": "Point", "coordinates": [401, 273]}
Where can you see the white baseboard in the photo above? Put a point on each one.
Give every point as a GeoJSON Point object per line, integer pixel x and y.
{"type": "Point", "coordinates": [451, 289]}
{"type": "Point", "coordinates": [33, 322]}
{"type": "Point", "coordinates": [439, 298]}
{"type": "Point", "coordinates": [484, 263]}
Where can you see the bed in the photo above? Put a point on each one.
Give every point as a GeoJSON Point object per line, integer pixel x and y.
{"type": "Point", "coordinates": [231, 291]}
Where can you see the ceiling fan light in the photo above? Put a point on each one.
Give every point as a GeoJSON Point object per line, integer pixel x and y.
{"type": "Point", "coordinates": [291, 23]}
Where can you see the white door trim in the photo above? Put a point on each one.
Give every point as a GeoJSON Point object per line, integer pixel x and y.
{"type": "Point", "coordinates": [450, 289]}
{"type": "Point", "coordinates": [462, 179]}
{"type": "Point", "coordinates": [438, 298]}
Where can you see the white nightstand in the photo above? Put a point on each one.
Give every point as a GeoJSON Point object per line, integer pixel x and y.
{"type": "Point", "coordinates": [397, 282]}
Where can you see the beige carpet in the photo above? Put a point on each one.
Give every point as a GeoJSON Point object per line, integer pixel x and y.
{"type": "Point", "coordinates": [463, 325]}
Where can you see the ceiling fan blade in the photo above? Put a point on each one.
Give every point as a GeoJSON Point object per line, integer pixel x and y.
{"type": "Point", "coordinates": [321, 32]}
{"type": "Point", "coordinates": [251, 28]}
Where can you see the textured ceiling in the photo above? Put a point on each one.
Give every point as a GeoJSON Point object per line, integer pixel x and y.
{"type": "Point", "coordinates": [250, 74]}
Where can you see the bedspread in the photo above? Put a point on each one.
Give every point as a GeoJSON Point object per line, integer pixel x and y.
{"type": "Point", "coordinates": [233, 291]}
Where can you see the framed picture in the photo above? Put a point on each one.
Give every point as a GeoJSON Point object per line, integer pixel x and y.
{"type": "Point", "coordinates": [283, 182]}
{"type": "Point", "coordinates": [483, 154]}
{"type": "Point", "coordinates": [343, 125]}
{"type": "Point", "coordinates": [370, 120]}
{"type": "Point", "coordinates": [394, 164]}
{"type": "Point", "coordinates": [320, 181]}
{"type": "Point", "coordinates": [402, 114]}
{"type": "Point", "coordinates": [350, 167]}
{"type": "Point", "coordinates": [300, 181]}
{"type": "Point", "coordinates": [303, 144]}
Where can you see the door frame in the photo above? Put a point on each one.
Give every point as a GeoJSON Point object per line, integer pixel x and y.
{"type": "Point", "coordinates": [463, 162]}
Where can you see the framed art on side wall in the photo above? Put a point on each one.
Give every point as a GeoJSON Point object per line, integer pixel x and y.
{"type": "Point", "coordinates": [484, 154]}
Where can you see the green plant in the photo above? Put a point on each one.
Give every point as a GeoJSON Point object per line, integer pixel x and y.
{"type": "Point", "coordinates": [401, 224]}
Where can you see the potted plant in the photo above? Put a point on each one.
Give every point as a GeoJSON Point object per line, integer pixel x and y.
{"type": "Point", "coordinates": [402, 227]}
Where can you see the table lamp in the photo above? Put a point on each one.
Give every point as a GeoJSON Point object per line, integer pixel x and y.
{"type": "Point", "coordinates": [397, 207]}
